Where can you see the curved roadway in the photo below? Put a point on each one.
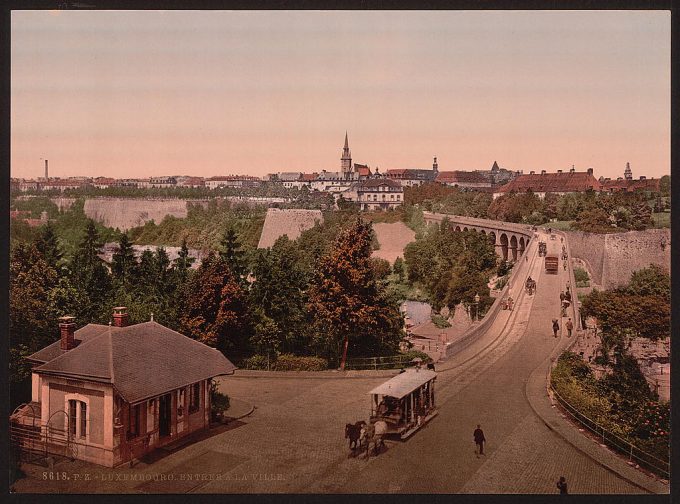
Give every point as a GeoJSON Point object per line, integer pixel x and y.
{"type": "Point", "coordinates": [486, 384]}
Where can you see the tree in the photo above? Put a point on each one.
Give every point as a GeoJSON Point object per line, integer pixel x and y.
{"type": "Point", "coordinates": [653, 280]}
{"type": "Point", "coordinates": [232, 254]}
{"type": "Point", "coordinates": [398, 268]}
{"type": "Point", "coordinates": [32, 325]}
{"type": "Point", "coordinates": [183, 262]}
{"type": "Point", "coordinates": [381, 268]}
{"type": "Point", "coordinates": [347, 305]}
{"type": "Point", "coordinates": [91, 277]}
{"type": "Point", "coordinates": [47, 244]}
{"type": "Point", "coordinates": [124, 262]}
{"type": "Point", "coordinates": [641, 216]}
{"type": "Point", "coordinates": [216, 308]}
{"type": "Point", "coordinates": [280, 292]}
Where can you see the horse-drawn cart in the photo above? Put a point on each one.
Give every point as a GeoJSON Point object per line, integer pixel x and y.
{"type": "Point", "coordinates": [406, 402]}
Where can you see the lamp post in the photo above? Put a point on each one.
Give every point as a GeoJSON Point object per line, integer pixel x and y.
{"type": "Point", "coordinates": [477, 306]}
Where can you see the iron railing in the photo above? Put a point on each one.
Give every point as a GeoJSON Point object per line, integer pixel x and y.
{"type": "Point", "coordinates": [642, 458]}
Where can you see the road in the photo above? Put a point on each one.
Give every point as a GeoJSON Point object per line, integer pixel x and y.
{"type": "Point", "coordinates": [522, 454]}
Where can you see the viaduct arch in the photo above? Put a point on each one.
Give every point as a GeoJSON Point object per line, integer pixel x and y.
{"type": "Point", "coordinates": [510, 240]}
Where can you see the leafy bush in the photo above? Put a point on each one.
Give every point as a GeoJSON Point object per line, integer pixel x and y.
{"type": "Point", "coordinates": [501, 282]}
{"type": "Point", "coordinates": [255, 362]}
{"type": "Point", "coordinates": [439, 321]}
{"type": "Point", "coordinates": [289, 362]}
{"type": "Point", "coordinates": [219, 402]}
{"type": "Point", "coordinates": [412, 354]}
{"type": "Point", "coordinates": [582, 278]}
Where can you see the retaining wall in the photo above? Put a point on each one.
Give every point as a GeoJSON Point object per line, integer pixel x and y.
{"type": "Point", "coordinates": [612, 258]}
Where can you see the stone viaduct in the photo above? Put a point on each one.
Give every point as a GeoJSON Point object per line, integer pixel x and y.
{"type": "Point", "coordinates": [510, 240]}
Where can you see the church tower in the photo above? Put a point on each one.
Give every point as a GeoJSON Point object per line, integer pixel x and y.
{"type": "Point", "coordinates": [346, 160]}
{"type": "Point", "coordinates": [628, 174]}
{"type": "Point", "coordinates": [435, 166]}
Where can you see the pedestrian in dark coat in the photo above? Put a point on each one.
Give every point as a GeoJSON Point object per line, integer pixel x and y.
{"type": "Point", "coordinates": [562, 485]}
{"type": "Point", "coordinates": [556, 327]}
{"type": "Point", "coordinates": [561, 297]}
{"type": "Point", "coordinates": [570, 327]}
{"type": "Point", "coordinates": [479, 438]}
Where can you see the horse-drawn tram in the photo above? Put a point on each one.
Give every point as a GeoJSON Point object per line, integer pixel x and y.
{"type": "Point", "coordinates": [406, 402]}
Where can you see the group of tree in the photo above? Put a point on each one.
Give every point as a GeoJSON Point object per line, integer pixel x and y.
{"type": "Point", "coordinates": [301, 297]}
{"type": "Point", "coordinates": [586, 211]}
{"type": "Point", "coordinates": [452, 267]}
{"type": "Point", "coordinates": [640, 309]}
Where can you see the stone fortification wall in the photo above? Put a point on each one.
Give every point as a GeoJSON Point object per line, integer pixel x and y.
{"type": "Point", "coordinates": [612, 258]}
{"type": "Point", "coordinates": [126, 213]}
{"type": "Point", "coordinates": [287, 222]}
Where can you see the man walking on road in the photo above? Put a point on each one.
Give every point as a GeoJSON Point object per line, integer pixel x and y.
{"type": "Point", "coordinates": [556, 327]}
{"type": "Point", "coordinates": [570, 326]}
{"type": "Point", "coordinates": [479, 438]}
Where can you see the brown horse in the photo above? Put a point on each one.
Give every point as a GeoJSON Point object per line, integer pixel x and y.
{"type": "Point", "coordinates": [353, 432]}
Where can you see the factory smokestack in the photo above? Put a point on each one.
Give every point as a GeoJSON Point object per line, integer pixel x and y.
{"type": "Point", "coordinates": [46, 175]}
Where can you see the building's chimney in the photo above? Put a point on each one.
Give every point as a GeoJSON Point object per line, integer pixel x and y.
{"type": "Point", "coordinates": [559, 171]}
{"type": "Point", "coordinates": [542, 172]}
{"type": "Point", "coordinates": [120, 316]}
{"type": "Point", "coordinates": [47, 177]}
{"type": "Point", "coordinates": [67, 327]}
{"type": "Point", "coordinates": [532, 172]}
{"type": "Point", "coordinates": [573, 170]}
{"type": "Point", "coordinates": [643, 177]}
{"type": "Point", "coordinates": [590, 171]}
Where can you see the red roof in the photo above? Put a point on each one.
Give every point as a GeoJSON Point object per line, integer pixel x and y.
{"type": "Point", "coordinates": [309, 177]}
{"type": "Point", "coordinates": [398, 171]}
{"type": "Point", "coordinates": [364, 171]}
{"type": "Point", "coordinates": [552, 182]}
{"type": "Point", "coordinates": [631, 185]}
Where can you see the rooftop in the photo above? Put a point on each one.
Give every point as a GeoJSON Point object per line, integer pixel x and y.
{"type": "Point", "coordinates": [140, 361]}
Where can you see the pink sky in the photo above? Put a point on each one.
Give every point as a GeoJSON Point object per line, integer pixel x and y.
{"type": "Point", "coordinates": [135, 94]}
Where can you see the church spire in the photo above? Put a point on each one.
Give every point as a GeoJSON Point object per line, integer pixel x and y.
{"type": "Point", "coordinates": [346, 159]}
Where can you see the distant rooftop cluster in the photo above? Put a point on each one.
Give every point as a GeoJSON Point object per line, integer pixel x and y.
{"type": "Point", "coordinates": [371, 188]}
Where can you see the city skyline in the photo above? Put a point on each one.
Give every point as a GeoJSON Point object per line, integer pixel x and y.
{"type": "Point", "coordinates": [139, 94]}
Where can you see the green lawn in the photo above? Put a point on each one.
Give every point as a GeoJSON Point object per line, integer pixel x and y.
{"type": "Point", "coordinates": [561, 225]}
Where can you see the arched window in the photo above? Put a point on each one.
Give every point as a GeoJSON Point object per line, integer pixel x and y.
{"type": "Point", "coordinates": [78, 416]}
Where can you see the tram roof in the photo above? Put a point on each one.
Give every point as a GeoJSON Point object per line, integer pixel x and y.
{"type": "Point", "coordinates": [404, 383]}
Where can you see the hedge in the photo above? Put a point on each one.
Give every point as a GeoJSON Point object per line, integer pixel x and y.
{"type": "Point", "coordinates": [289, 362]}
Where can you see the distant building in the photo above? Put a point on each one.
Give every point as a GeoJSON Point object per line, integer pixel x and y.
{"type": "Point", "coordinates": [463, 179]}
{"type": "Point", "coordinates": [555, 183]}
{"type": "Point", "coordinates": [191, 182]}
{"type": "Point", "coordinates": [127, 183]}
{"type": "Point", "coordinates": [376, 194]}
{"type": "Point", "coordinates": [61, 184]}
{"type": "Point", "coordinates": [629, 185]}
{"type": "Point", "coordinates": [163, 182]}
{"type": "Point", "coordinates": [414, 176]}
{"type": "Point", "coordinates": [103, 182]}
{"type": "Point", "coordinates": [235, 181]}
{"type": "Point", "coordinates": [498, 176]}
{"type": "Point", "coordinates": [111, 394]}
